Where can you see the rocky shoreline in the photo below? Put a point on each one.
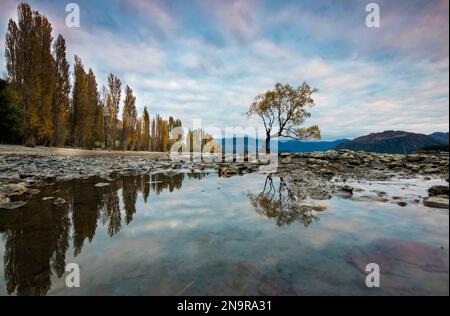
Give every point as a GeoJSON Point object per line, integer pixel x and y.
{"type": "Point", "coordinates": [318, 176]}
{"type": "Point", "coordinates": [321, 176]}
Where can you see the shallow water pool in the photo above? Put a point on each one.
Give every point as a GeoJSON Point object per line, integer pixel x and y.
{"type": "Point", "coordinates": [198, 234]}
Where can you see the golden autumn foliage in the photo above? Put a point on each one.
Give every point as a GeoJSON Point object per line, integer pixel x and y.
{"type": "Point", "coordinates": [283, 110]}
{"type": "Point", "coordinates": [54, 113]}
{"type": "Point", "coordinates": [32, 72]}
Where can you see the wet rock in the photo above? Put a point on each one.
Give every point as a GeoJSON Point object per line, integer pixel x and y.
{"type": "Point", "coordinates": [381, 177]}
{"type": "Point", "coordinates": [413, 168]}
{"type": "Point", "coordinates": [66, 178]}
{"type": "Point", "coordinates": [402, 203]}
{"type": "Point", "coordinates": [380, 193]}
{"type": "Point", "coordinates": [15, 195]}
{"type": "Point", "coordinates": [285, 155]}
{"type": "Point", "coordinates": [414, 158]}
{"type": "Point", "coordinates": [102, 185]}
{"type": "Point", "coordinates": [11, 190]}
{"type": "Point", "coordinates": [4, 200]}
{"type": "Point", "coordinates": [370, 198]}
{"type": "Point", "coordinates": [319, 194]}
{"type": "Point", "coordinates": [227, 171]}
{"type": "Point", "coordinates": [437, 202]}
{"type": "Point", "coordinates": [431, 171]}
{"type": "Point", "coordinates": [6, 203]}
{"type": "Point", "coordinates": [25, 176]}
{"type": "Point", "coordinates": [59, 201]}
{"type": "Point", "coordinates": [114, 175]}
{"type": "Point", "coordinates": [34, 191]}
{"type": "Point", "coordinates": [346, 189]}
{"type": "Point", "coordinates": [395, 165]}
{"type": "Point", "coordinates": [438, 190]}
{"type": "Point", "coordinates": [50, 177]}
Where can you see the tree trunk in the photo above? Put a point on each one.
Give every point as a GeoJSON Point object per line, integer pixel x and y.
{"type": "Point", "coordinates": [268, 143]}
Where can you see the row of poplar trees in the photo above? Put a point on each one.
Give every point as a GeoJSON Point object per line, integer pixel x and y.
{"type": "Point", "coordinates": [55, 111]}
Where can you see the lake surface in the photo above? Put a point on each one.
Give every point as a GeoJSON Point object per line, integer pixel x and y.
{"type": "Point", "coordinates": [198, 234]}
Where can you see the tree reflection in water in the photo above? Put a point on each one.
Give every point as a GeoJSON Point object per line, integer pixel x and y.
{"type": "Point", "coordinates": [37, 237]}
{"type": "Point", "coordinates": [281, 203]}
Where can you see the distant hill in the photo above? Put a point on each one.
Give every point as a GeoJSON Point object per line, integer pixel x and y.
{"type": "Point", "coordinates": [441, 137]}
{"type": "Point", "coordinates": [392, 142]}
{"type": "Point", "coordinates": [296, 146]}
{"type": "Point", "coordinates": [285, 146]}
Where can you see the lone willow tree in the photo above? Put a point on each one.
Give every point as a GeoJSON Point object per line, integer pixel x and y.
{"type": "Point", "coordinates": [284, 110]}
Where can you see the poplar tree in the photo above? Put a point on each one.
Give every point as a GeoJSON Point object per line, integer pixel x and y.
{"type": "Point", "coordinates": [153, 136]}
{"type": "Point", "coordinates": [31, 72]}
{"type": "Point", "coordinates": [105, 118]}
{"type": "Point", "coordinates": [61, 101]}
{"type": "Point", "coordinates": [19, 55]}
{"type": "Point", "coordinates": [146, 131]}
{"type": "Point", "coordinates": [138, 136]}
{"type": "Point", "coordinates": [99, 125]}
{"type": "Point", "coordinates": [92, 112]}
{"type": "Point", "coordinates": [129, 118]}
{"type": "Point", "coordinates": [41, 113]}
{"type": "Point", "coordinates": [114, 96]}
{"type": "Point", "coordinates": [79, 105]}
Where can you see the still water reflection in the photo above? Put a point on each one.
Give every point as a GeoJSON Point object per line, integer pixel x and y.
{"type": "Point", "coordinates": [279, 202]}
{"type": "Point", "coordinates": [36, 238]}
{"type": "Point", "coordinates": [198, 234]}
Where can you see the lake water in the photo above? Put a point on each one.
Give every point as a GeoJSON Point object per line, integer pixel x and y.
{"type": "Point", "coordinates": [198, 234]}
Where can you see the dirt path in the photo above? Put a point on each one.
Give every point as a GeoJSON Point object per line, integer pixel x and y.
{"type": "Point", "coordinates": [46, 151]}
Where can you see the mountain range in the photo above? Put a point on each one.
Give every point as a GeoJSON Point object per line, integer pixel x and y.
{"type": "Point", "coordinates": [442, 137]}
{"type": "Point", "coordinates": [397, 142]}
{"type": "Point", "coordinates": [393, 142]}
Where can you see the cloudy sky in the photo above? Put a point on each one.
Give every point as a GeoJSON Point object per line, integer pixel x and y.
{"type": "Point", "coordinates": [208, 59]}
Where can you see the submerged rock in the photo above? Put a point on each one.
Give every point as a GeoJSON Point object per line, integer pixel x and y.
{"type": "Point", "coordinates": [389, 254]}
{"type": "Point", "coordinates": [313, 207]}
{"type": "Point", "coordinates": [437, 202]}
{"type": "Point", "coordinates": [370, 198]}
{"type": "Point", "coordinates": [276, 287]}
